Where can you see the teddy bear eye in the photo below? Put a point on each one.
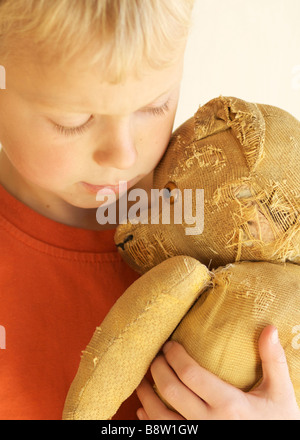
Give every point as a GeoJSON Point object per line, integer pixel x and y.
{"type": "Point", "coordinates": [170, 186]}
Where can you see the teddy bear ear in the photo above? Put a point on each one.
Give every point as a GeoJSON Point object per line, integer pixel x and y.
{"type": "Point", "coordinates": [243, 118]}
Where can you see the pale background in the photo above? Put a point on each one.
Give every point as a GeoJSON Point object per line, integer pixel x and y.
{"type": "Point", "coordinates": [247, 49]}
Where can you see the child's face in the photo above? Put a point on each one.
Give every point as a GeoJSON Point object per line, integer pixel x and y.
{"type": "Point", "coordinates": [125, 128]}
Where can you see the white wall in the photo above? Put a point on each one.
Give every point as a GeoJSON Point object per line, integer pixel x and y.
{"type": "Point", "coordinates": [244, 48]}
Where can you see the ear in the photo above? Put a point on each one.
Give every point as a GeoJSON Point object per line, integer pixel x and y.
{"type": "Point", "coordinates": [243, 118]}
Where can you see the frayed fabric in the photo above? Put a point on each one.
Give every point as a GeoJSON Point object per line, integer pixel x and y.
{"type": "Point", "coordinates": [213, 292]}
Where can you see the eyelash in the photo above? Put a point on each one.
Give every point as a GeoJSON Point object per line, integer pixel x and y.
{"type": "Point", "coordinates": [159, 111]}
{"type": "Point", "coordinates": [72, 131]}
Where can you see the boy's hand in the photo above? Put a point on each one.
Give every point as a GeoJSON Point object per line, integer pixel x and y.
{"type": "Point", "coordinates": [200, 395]}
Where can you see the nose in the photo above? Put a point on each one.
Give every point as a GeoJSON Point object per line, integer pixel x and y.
{"type": "Point", "coordinates": [116, 146]}
{"type": "Point", "coordinates": [127, 239]}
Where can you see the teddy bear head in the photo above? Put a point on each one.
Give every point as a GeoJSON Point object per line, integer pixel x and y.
{"type": "Point", "coordinates": [231, 179]}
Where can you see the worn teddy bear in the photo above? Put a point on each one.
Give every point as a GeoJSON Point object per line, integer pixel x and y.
{"type": "Point", "coordinates": [222, 286]}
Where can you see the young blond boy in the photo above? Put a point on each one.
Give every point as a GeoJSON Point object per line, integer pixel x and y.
{"type": "Point", "coordinates": [92, 88]}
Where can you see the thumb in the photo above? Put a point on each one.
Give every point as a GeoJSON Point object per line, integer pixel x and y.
{"type": "Point", "coordinates": [276, 378]}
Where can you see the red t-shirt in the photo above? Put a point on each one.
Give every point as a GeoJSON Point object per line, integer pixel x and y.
{"type": "Point", "coordinates": [57, 284]}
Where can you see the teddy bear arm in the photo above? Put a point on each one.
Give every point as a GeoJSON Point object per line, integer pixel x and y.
{"type": "Point", "coordinates": [122, 348]}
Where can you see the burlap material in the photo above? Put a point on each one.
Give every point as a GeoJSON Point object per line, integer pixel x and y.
{"type": "Point", "coordinates": [246, 158]}
{"type": "Point", "coordinates": [221, 331]}
{"type": "Point", "coordinates": [122, 348]}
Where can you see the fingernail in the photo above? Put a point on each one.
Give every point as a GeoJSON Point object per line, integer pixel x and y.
{"type": "Point", "coordinates": [275, 337]}
{"type": "Point", "coordinates": [167, 347]}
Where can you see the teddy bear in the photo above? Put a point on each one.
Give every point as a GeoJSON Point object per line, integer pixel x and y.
{"type": "Point", "coordinates": [215, 288]}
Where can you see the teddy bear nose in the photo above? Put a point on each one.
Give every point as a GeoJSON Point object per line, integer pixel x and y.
{"type": "Point", "coordinates": [127, 239]}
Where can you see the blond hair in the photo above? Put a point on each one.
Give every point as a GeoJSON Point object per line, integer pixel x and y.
{"type": "Point", "coordinates": [120, 34]}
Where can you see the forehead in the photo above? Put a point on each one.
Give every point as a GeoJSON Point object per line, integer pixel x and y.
{"type": "Point", "coordinates": [78, 87]}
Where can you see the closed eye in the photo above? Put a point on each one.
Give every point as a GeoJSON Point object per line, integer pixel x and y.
{"type": "Point", "coordinates": [158, 111]}
{"type": "Point", "coordinates": [72, 131]}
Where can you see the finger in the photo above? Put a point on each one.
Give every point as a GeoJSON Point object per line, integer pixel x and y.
{"type": "Point", "coordinates": [276, 377]}
{"type": "Point", "coordinates": [154, 408]}
{"type": "Point", "coordinates": [202, 382]}
{"type": "Point", "coordinates": [177, 394]}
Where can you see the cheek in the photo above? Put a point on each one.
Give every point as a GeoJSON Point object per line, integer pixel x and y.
{"type": "Point", "coordinates": [38, 159]}
{"type": "Point", "coordinates": [32, 148]}
{"type": "Point", "coordinates": [156, 137]}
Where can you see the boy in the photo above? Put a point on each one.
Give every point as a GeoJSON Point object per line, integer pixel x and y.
{"type": "Point", "coordinates": [91, 93]}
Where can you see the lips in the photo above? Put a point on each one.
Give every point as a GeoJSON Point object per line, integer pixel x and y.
{"type": "Point", "coordinates": [109, 188]}
{"type": "Point", "coordinates": [105, 189]}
